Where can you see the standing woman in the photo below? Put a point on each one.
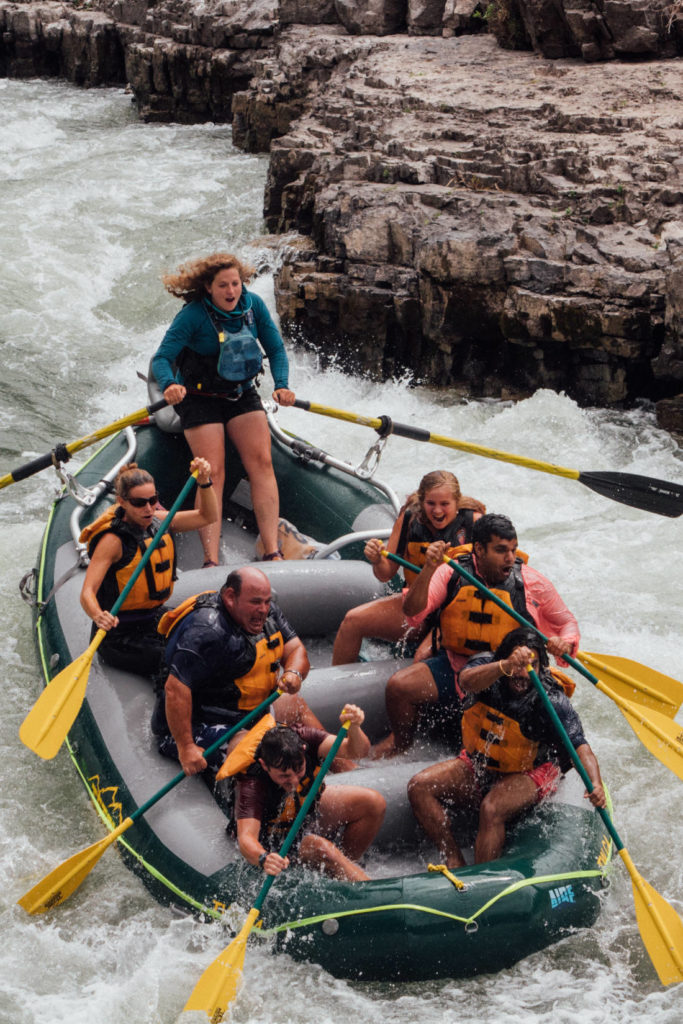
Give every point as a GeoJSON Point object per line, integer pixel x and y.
{"type": "Point", "coordinates": [435, 511]}
{"type": "Point", "coordinates": [207, 365]}
{"type": "Point", "coordinates": [116, 541]}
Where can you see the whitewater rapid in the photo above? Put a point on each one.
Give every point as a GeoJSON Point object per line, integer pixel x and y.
{"type": "Point", "coordinates": [96, 206]}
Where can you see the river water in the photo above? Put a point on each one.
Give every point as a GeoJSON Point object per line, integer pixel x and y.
{"type": "Point", "coordinates": [95, 207]}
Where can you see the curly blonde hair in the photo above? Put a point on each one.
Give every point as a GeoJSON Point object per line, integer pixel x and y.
{"type": "Point", "coordinates": [191, 280]}
{"type": "Point", "coordinates": [439, 478]}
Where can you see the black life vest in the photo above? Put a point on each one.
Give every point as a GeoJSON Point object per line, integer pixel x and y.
{"type": "Point", "coordinates": [415, 538]}
{"type": "Point", "coordinates": [262, 651]}
{"type": "Point", "coordinates": [155, 584]}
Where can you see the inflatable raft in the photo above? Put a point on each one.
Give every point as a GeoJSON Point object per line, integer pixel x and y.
{"type": "Point", "coordinates": [407, 923]}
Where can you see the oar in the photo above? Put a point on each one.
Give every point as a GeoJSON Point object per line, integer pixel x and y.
{"type": "Point", "coordinates": [45, 727]}
{"type": "Point", "coordinates": [652, 688]}
{"type": "Point", "coordinates": [63, 452]}
{"type": "Point", "coordinates": [646, 492]}
{"type": "Point", "coordinates": [661, 929]}
{"type": "Point", "coordinates": [662, 736]}
{"type": "Point", "coordinates": [63, 880]}
{"type": "Point", "coordinates": [219, 984]}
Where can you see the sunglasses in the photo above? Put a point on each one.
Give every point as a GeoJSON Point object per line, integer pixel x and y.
{"type": "Point", "coordinates": [141, 502]}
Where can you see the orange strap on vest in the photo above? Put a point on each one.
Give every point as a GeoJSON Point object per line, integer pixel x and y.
{"type": "Point", "coordinates": [170, 619]}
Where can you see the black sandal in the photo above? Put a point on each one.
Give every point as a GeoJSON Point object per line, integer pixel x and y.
{"type": "Point", "coordinates": [209, 563]}
{"type": "Point", "coordinates": [274, 556]}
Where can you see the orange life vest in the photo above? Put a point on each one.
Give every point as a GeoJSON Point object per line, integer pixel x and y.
{"type": "Point", "coordinates": [260, 680]}
{"type": "Point", "coordinates": [469, 621]}
{"type": "Point", "coordinates": [155, 584]}
{"type": "Point", "coordinates": [497, 740]}
{"type": "Point", "coordinates": [503, 743]}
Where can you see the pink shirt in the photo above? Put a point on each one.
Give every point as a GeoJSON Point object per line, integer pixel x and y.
{"type": "Point", "coordinates": [548, 610]}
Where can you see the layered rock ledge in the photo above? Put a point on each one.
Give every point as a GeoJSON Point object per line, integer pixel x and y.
{"type": "Point", "coordinates": [486, 218]}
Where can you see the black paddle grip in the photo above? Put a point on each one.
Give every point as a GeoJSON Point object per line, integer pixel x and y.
{"type": "Point", "coordinates": [35, 466]}
{"type": "Point", "coordinates": [156, 406]}
{"type": "Point", "coordinates": [414, 433]}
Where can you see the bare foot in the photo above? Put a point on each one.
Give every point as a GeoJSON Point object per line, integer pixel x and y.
{"type": "Point", "coordinates": [384, 749]}
{"type": "Point", "coordinates": [342, 764]}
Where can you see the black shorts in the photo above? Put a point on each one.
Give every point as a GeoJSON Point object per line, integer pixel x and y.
{"type": "Point", "coordinates": [196, 410]}
{"type": "Point", "coordinates": [135, 646]}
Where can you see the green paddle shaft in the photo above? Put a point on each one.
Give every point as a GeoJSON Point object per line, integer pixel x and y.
{"type": "Point", "coordinates": [303, 811]}
{"type": "Point", "coordinates": [501, 604]}
{"type": "Point", "coordinates": [247, 720]}
{"type": "Point", "coordinates": [576, 760]}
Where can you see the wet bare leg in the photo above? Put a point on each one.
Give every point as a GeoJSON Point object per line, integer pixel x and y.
{"type": "Point", "coordinates": [251, 436]}
{"type": "Point", "coordinates": [382, 619]}
{"type": "Point", "coordinates": [208, 442]}
{"type": "Point", "coordinates": [320, 853]}
{"type": "Point", "coordinates": [359, 810]}
{"type": "Point", "coordinates": [430, 791]}
{"type": "Point", "coordinates": [505, 800]}
{"type": "Point", "coordinates": [407, 691]}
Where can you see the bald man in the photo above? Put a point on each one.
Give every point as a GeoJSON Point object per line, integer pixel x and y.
{"type": "Point", "coordinates": [224, 658]}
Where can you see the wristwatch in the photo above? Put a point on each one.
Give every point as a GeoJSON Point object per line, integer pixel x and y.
{"type": "Point", "coordinates": [262, 859]}
{"type": "Point", "coordinates": [295, 672]}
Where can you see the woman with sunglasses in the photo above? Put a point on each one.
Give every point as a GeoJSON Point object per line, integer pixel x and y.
{"type": "Point", "coordinates": [116, 542]}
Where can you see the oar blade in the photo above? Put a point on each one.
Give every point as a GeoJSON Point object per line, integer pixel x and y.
{"type": "Point", "coordinates": [222, 979]}
{"type": "Point", "coordinates": [63, 880]}
{"type": "Point", "coordinates": [646, 492]}
{"type": "Point", "coordinates": [661, 929]}
{"type": "Point", "coordinates": [659, 734]}
{"type": "Point", "coordinates": [636, 682]}
{"type": "Point", "coordinates": [46, 725]}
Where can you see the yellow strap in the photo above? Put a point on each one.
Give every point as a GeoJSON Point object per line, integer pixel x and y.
{"type": "Point", "coordinates": [449, 875]}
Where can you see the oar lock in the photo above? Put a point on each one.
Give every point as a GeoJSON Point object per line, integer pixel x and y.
{"type": "Point", "coordinates": [372, 457]}
{"type": "Point", "coordinates": [385, 427]}
{"type": "Point", "coordinates": [83, 496]}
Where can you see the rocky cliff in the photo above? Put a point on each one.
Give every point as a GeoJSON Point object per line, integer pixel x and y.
{"type": "Point", "coordinates": [452, 201]}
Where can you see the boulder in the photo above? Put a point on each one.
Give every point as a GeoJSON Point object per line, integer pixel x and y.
{"type": "Point", "coordinates": [372, 17]}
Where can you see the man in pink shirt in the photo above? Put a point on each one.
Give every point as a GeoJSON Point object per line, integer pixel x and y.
{"type": "Point", "coordinates": [470, 624]}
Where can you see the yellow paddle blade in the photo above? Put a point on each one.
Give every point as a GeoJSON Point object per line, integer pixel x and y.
{"type": "Point", "coordinates": [661, 928]}
{"type": "Point", "coordinates": [636, 682]}
{"type": "Point", "coordinates": [46, 725]}
{"type": "Point", "coordinates": [221, 981]}
{"type": "Point", "coordinates": [242, 755]}
{"type": "Point", "coordinates": [662, 737]}
{"type": "Point", "coordinates": [66, 878]}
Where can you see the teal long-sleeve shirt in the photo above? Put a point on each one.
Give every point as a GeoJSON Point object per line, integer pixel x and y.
{"type": "Point", "coordinates": [193, 328]}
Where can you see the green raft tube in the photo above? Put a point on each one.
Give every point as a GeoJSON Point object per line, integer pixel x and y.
{"type": "Point", "coordinates": [408, 923]}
